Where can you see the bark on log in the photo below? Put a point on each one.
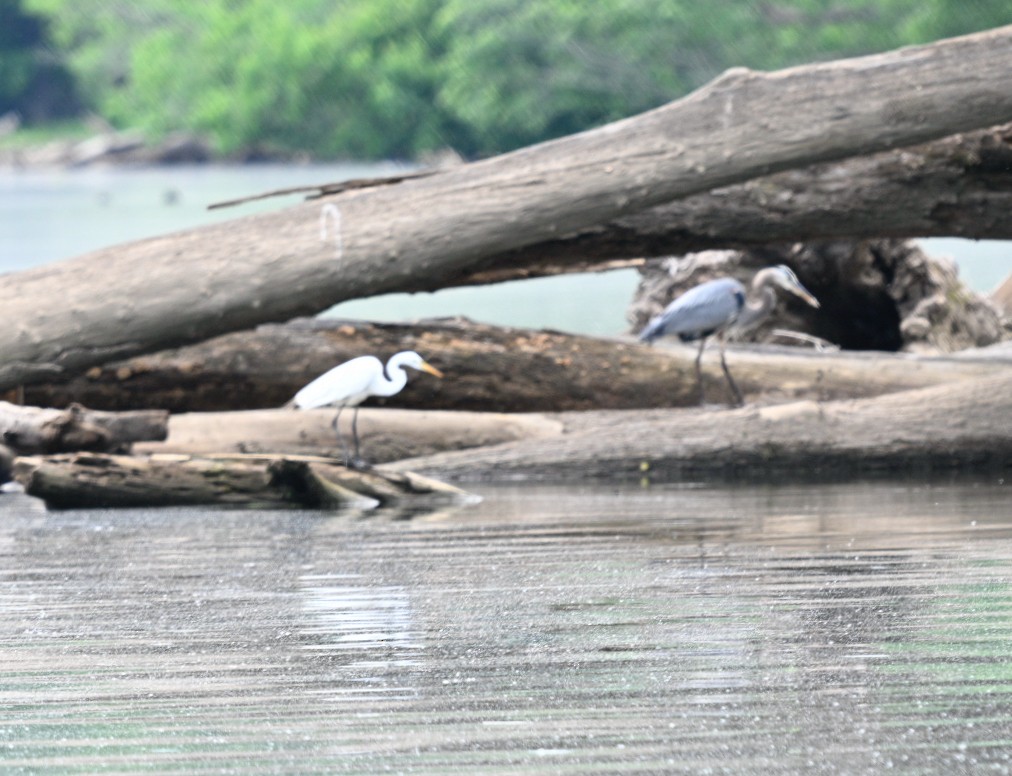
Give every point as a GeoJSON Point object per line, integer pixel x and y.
{"type": "Point", "coordinates": [489, 369]}
{"type": "Point", "coordinates": [960, 186]}
{"type": "Point", "coordinates": [426, 232]}
{"type": "Point", "coordinates": [962, 426]}
{"type": "Point", "coordinates": [27, 430]}
{"type": "Point", "coordinates": [386, 434]}
{"type": "Point", "coordinates": [83, 480]}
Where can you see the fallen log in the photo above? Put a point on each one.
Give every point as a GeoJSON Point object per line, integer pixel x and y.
{"type": "Point", "coordinates": [959, 427]}
{"type": "Point", "coordinates": [960, 186]}
{"type": "Point", "coordinates": [386, 434]}
{"type": "Point", "coordinates": [426, 232]}
{"type": "Point", "coordinates": [489, 369]}
{"type": "Point", "coordinates": [28, 430]}
{"type": "Point", "coordinates": [83, 480]}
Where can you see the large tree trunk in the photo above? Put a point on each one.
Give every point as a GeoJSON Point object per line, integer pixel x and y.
{"type": "Point", "coordinates": [488, 368]}
{"type": "Point", "coordinates": [427, 232]}
{"type": "Point", "coordinates": [960, 186]}
{"type": "Point", "coordinates": [960, 426]}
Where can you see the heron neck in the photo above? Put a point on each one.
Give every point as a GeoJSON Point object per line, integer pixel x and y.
{"type": "Point", "coordinates": [761, 301]}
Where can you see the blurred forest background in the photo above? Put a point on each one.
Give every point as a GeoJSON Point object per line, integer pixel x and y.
{"type": "Point", "coordinates": [387, 79]}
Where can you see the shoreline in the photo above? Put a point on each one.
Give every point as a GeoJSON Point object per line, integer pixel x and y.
{"type": "Point", "coordinates": [129, 148]}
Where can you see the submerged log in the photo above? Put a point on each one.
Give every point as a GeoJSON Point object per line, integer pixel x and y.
{"type": "Point", "coordinates": [488, 368]}
{"type": "Point", "coordinates": [83, 480]}
{"type": "Point", "coordinates": [28, 430]}
{"type": "Point", "coordinates": [961, 426]}
{"type": "Point", "coordinates": [427, 232]}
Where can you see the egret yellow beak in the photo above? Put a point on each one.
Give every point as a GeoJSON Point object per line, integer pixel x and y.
{"type": "Point", "coordinates": [427, 367]}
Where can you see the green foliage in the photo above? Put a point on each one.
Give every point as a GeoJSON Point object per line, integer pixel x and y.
{"type": "Point", "coordinates": [96, 38]}
{"type": "Point", "coordinates": [33, 82]}
{"type": "Point", "coordinates": [947, 18]}
{"type": "Point", "coordinates": [382, 78]}
{"type": "Point", "coordinates": [21, 36]}
{"type": "Point", "coordinates": [518, 72]}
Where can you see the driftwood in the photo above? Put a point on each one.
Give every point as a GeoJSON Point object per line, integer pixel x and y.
{"type": "Point", "coordinates": [387, 434]}
{"type": "Point", "coordinates": [82, 480]}
{"type": "Point", "coordinates": [957, 186]}
{"type": "Point", "coordinates": [28, 430]}
{"type": "Point", "coordinates": [962, 426]}
{"type": "Point", "coordinates": [427, 232]}
{"type": "Point", "coordinates": [489, 369]}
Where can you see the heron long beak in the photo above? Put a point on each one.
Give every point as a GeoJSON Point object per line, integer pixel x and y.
{"type": "Point", "coordinates": [802, 292]}
{"type": "Point", "coordinates": [427, 367]}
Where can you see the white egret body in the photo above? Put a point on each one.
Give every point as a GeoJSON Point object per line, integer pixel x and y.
{"type": "Point", "coordinates": [351, 383]}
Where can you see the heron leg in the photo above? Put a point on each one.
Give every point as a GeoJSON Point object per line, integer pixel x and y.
{"type": "Point", "coordinates": [699, 371]}
{"type": "Point", "coordinates": [738, 400]}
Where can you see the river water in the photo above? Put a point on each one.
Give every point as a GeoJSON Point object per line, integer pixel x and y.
{"type": "Point", "coordinates": [635, 629]}
{"type": "Point", "coordinates": [815, 629]}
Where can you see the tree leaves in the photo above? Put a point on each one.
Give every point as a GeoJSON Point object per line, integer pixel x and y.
{"type": "Point", "coordinates": [397, 78]}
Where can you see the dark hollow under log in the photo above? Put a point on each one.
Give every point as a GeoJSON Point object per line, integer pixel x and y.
{"type": "Point", "coordinates": [874, 294]}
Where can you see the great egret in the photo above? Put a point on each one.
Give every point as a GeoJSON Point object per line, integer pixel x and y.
{"type": "Point", "coordinates": [715, 306]}
{"type": "Point", "coordinates": [351, 383]}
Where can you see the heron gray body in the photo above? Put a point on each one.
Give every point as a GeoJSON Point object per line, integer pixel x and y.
{"type": "Point", "coordinates": [715, 306]}
{"type": "Point", "coordinates": [701, 311]}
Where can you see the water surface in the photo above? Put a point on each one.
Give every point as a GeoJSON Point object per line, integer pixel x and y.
{"type": "Point", "coordinates": [821, 629]}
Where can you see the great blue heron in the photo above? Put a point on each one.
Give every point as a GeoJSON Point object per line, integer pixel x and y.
{"type": "Point", "coordinates": [351, 383]}
{"type": "Point", "coordinates": [715, 306]}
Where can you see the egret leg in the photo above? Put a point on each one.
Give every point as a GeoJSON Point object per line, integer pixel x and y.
{"type": "Point", "coordinates": [354, 431]}
{"type": "Point", "coordinates": [336, 425]}
{"type": "Point", "coordinates": [739, 401]}
{"type": "Point", "coordinates": [699, 371]}
{"type": "Point", "coordinates": [357, 462]}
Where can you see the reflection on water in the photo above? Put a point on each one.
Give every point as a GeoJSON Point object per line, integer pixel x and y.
{"type": "Point", "coordinates": [827, 629]}
{"type": "Point", "coordinates": [366, 620]}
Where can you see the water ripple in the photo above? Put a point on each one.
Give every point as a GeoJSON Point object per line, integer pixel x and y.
{"type": "Point", "coordinates": [843, 629]}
